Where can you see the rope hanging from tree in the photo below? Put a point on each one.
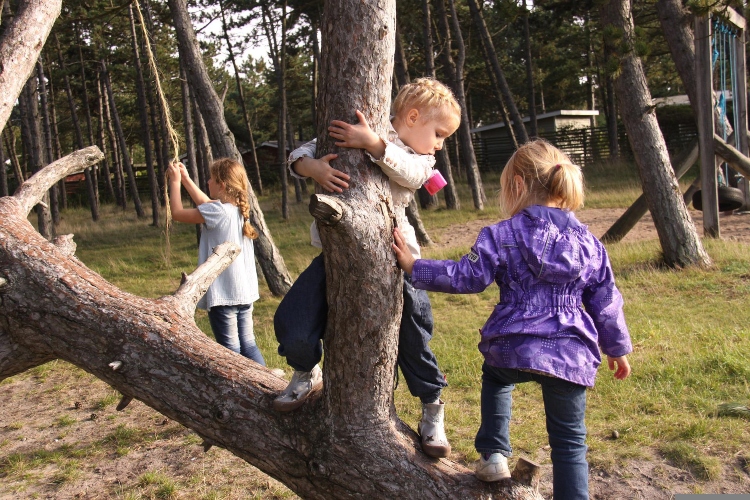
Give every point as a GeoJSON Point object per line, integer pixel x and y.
{"type": "Point", "coordinates": [723, 52]}
{"type": "Point", "coordinates": [174, 138]}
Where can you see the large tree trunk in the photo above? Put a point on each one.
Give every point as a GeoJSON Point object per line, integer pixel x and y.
{"type": "Point", "coordinates": [49, 155]}
{"type": "Point", "coordinates": [222, 143]}
{"type": "Point", "coordinates": [145, 129]}
{"type": "Point", "coordinates": [101, 140]}
{"type": "Point", "coordinates": [3, 170]}
{"type": "Point", "coordinates": [677, 235]}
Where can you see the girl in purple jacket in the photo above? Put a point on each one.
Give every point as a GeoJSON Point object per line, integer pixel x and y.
{"type": "Point", "coordinates": [558, 307]}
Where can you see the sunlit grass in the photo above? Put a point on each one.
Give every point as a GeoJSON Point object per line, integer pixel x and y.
{"type": "Point", "coordinates": [690, 329]}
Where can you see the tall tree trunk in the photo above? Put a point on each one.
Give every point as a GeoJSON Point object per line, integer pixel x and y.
{"type": "Point", "coordinates": [101, 140]}
{"type": "Point", "coordinates": [204, 146]}
{"type": "Point", "coordinates": [489, 47]}
{"type": "Point", "coordinates": [10, 144]}
{"type": "Point", "coordinates": [32, 134]}
{"type": "Point", "coordinates": [127, 164]}
{"type": "Point", "coordinates": [442, 157]}
{"type": "Point", "coordinates": [87, 110]}
{"type": "Point", "coordinates": [49, 155]}
{"type": "Point", "coordinates": [145, 131]}
{"type": "Point", "coordinates": [187, 117]}
{"type": "Point", "coordinates": [255, 166]}
{"type": "Point", "coordinates": [464, 129]}
{"type": "Point", "coordinates": [90, 191]}
{"type": "Point", "coordinates": [677, 235]}
{"type": "Point", "coordinates": [56, 145]}
{"type": "Point", "coordinates": [315, 63]}
{"type": "Point", "coordinates": [222, 143]}
{"type": "Point", "coordinates": [120, 190]}
{"type": "Point", "coordinates": [529, 71]}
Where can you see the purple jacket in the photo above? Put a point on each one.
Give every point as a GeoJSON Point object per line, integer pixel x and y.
{"type": "Point", "coordinates": [548, 267]}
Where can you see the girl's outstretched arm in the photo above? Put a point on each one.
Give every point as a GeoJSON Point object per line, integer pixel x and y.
{"type": "Point", "coordinates": [180, 214]}
{"type": "Point", "coordinates": [198, 196]}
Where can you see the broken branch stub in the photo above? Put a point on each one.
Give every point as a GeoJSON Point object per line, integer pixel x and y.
{"type": "Point", "coordinates": [194, 285]}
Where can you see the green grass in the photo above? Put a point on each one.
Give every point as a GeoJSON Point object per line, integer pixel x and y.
{"type": "Point", "coordinates": [690, 329]}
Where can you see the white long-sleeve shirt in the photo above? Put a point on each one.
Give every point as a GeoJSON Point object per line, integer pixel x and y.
{"type": "Point", "coordinates": [406, 171]}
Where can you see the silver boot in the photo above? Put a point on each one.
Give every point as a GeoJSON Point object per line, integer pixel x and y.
{"type": "Point", "coordinates": [432, 431]}
{"type": "Point", "coordinates": [301, 387]}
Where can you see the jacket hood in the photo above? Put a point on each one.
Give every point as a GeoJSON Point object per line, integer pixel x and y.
{"type": "Point", "coordinates": [549, 240]}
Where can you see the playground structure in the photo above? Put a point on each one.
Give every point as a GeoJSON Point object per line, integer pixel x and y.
{"type": "Point", "coordinates": [720, 49]}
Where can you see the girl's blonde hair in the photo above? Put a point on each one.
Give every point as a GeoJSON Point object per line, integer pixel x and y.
{"type": "Point", "coordinates": [547, 175]}
{"type": "Point", "coordinates": [236, 185]}
{"type": "Point", "coordinates": [430, 97]}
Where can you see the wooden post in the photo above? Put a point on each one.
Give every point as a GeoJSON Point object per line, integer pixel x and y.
{"type": "Point", "coordinates": [705, 120]}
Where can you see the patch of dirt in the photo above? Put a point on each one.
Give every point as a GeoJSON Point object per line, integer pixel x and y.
{"type": "Point", "coordinates": [61, 437]}
{"type": "Point", "coordinates": [599, 220]}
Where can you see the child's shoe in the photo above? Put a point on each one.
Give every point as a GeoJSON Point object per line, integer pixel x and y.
{"type": "Point", "coordinates": [431, 429]}
{"type": "Point", "coordinates": [495, 468]}
{"type": "Point", "coordinates": [302, 385]}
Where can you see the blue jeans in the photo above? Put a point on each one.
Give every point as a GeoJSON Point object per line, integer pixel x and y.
{"type": "Point", "coordinates": [564, 406]}
{"type": "Point", "coordinates": [300, 324]}
{"type": "Point", "coordinates": [233, 328]}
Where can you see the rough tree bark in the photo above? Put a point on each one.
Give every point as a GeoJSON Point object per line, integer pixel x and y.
{"type": "Point", "coordinates": [679, 240]}
{"type": "Point", "coordinates": [222, 144]}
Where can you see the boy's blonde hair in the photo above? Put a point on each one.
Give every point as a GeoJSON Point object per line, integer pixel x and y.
{"type": "Point", "coordinates": [430, 97]}
{"type": "Point", "coordinates": [547, 174]}
{"type": "Point", "coordinates": [236, 185]}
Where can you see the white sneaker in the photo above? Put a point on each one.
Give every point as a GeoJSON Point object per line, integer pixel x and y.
{"type": "Point", "coordinates": [493, 469]}
{"type": "Point", "coordinates": [302, 385]}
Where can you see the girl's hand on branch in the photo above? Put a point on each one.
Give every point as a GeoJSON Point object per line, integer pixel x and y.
{"type": "Point", "coordinates": [403, 254]}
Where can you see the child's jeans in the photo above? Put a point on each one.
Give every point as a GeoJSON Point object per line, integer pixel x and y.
{"type": "Point", "coordinates": [233, 328]}
{"type": "Point", "coordinates": [564, 405]}
{"type": "Point", "coordinates": [300, 323]}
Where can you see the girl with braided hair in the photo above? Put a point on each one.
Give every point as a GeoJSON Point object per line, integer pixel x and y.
{"type": "Point", "coordinates": [225, 216]}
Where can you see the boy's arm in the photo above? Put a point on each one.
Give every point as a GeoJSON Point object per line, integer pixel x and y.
{"type": "Point", "coordinates": [407, 169]}
{"type": "Point", "coordinates": [302, 164]}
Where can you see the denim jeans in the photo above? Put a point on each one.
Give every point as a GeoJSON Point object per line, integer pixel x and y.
{"type": "Point", "coordinates": [300, 323]}
{"type": "Point", "coordinates": [564, 406]}
{"type": "Point", "coordinates": [233, 328]}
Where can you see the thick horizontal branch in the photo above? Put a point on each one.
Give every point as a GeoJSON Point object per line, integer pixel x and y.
{"type": "Point", "coordinates": [737, 160]}
{"type": "Point", "coordinates": [195, 284]}
{"type": "Point", "coordinates": [32, 190]}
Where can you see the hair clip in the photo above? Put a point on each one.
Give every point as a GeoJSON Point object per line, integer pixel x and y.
{"type": "Point", "coordinates": [557, 167]}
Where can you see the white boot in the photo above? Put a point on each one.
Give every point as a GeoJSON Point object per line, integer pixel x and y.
{"type": "Point", "coordinates": [302, 385]}
{"type": "Point", "coordinates": [431, 429]}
